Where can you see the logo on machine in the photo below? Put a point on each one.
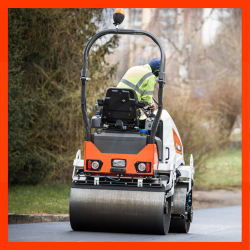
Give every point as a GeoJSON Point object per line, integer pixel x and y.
{"type": "Point", "coordinates": [177, 143]}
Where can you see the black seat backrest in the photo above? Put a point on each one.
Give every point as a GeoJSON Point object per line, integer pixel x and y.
{"type": "Point", "coordinates": [120, 104]}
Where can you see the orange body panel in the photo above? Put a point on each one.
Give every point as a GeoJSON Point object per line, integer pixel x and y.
{"type": "Point", "coordinates": [147, 154]}
{"type": "Point", "coordinates": [177, 143]}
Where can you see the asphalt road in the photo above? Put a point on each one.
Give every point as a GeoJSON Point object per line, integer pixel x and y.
{"type": "Point", "coordinates": [210, 225]}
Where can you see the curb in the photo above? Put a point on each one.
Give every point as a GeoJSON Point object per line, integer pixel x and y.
{"type": "Point", "coordinates": [34, 218]}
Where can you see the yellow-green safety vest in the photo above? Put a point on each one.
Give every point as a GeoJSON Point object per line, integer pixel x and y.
{"type": "Point", "coordinates": [142, 80]}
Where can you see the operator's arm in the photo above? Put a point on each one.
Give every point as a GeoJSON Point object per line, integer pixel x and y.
{"type": "Point", "coordinates": [148, 89]}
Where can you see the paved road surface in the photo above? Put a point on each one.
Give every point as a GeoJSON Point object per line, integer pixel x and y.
{"type": "Point", "coordinates": [209, 225]}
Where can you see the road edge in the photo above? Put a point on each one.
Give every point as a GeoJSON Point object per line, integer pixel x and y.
{"type": "Point", "coordinates": [35, 218]}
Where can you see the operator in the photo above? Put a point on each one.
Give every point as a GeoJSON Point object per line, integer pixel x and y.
{"type": "Point", "coordinates": [142, 79]}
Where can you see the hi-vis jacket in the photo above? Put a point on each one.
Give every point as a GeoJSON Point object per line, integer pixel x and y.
{"type": "Point", "coordinates": [142, 80]}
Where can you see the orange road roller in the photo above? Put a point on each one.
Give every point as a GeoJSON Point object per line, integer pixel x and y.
{"type": "Point", "coordinates": [130, 179]}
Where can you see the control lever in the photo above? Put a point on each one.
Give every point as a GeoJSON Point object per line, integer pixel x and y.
{"type": "Point", "coordinates": [97, 112]}
{"type": "Point", "coordinates": [151, 113]}
{"type": "Point", "coordinates": [155, 100]}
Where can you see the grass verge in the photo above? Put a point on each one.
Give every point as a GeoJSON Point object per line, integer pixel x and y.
{"type": "Point", "coordinates": [50, 198]}
{"type": "Point", "coordinates": [221, 172]}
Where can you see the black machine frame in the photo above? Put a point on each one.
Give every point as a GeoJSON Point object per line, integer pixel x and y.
{"type": "Point", "coordinates": [84, 76]}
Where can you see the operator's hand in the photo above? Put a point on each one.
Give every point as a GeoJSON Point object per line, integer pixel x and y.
{"type": "Point", "coordinates": [153, 107]}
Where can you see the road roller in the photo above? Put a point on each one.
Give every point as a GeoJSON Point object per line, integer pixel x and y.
{"type": "Point", "coordinates": [130, 179]}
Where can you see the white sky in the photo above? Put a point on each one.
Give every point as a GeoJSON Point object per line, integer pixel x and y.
{"type": "Point", "coordinates": [211, 26]}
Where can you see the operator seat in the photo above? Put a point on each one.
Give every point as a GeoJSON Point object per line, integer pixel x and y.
{"type": "Point", "coordinates": [120, 105]}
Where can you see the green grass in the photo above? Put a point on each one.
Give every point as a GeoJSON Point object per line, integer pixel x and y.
{"type": "Point", "coordinates": [222, 171]}
{"type": "Point", "coordinates": [43, 198]}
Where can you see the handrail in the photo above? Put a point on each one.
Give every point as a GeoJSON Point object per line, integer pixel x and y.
{"type": "Point", "coordinates": [84, 76]}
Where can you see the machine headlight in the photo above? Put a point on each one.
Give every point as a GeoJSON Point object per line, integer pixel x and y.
{"type": "Point", "coordinates": [95, 165]}
{"type": "Point", "coordinates": [118, 163]}
{"type": "Point", "coordinates": [141, 167]}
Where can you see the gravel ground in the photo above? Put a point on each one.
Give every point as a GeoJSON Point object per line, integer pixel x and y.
{"type": "Point", "coordinates": [216, 198]}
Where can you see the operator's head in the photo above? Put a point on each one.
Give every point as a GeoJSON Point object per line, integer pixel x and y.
{"type": "Point", "coordinates": [155, 66]}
